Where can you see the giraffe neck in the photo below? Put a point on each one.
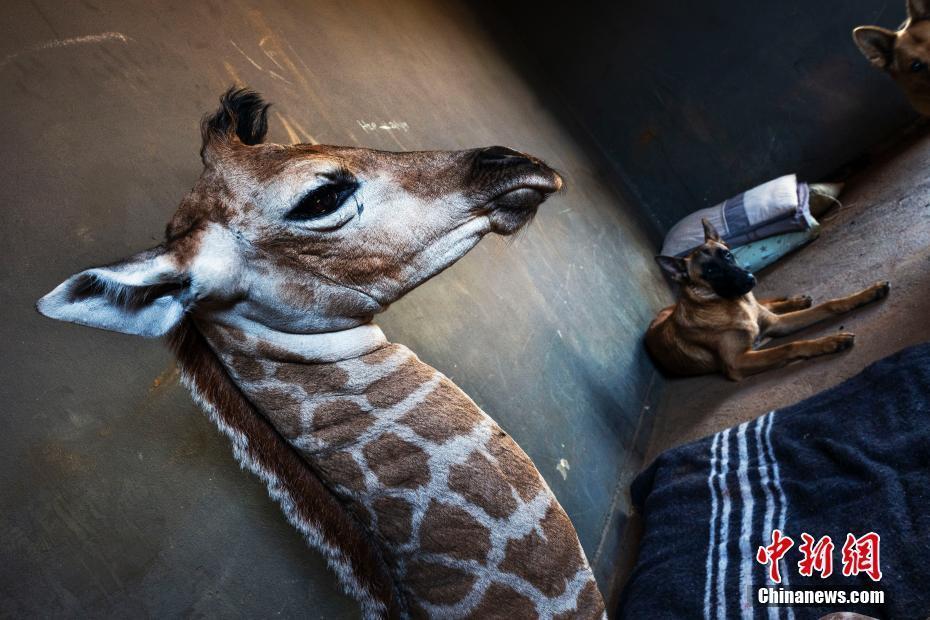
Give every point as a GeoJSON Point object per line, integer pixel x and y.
{"type": "Point", "coordinates": [310, 348]}
{"type": "Point", "coordinates": [467, 524]}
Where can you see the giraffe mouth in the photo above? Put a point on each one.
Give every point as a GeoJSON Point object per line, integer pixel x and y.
{"type": "Point", "coordinates": [514, 208]}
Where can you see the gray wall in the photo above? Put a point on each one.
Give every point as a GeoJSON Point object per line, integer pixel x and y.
{"type": "Point", "coordinates": [117, 497]}
{"type": "Point", "coordinates": [694, 102]}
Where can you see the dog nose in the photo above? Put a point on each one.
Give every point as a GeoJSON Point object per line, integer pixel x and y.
{"type": "Point", "coordinates": [501, 156]}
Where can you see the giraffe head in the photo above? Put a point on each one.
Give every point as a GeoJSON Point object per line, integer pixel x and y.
{"type": "Point", "coordinates": [304, 238]}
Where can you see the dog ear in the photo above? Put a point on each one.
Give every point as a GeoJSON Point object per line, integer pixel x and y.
{"type": "Point", "coordinates": [876, 44]}
{"type": "Point", "coordinates": [710, 233]}
{"type": "Point", "coordinates": [674, 267]}
{"type": "Point", "coordinates": [918, 9]}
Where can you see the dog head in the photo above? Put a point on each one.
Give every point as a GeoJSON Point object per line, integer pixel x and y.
{"type": "Point", "coordinates": [709, 268]}
{"type": "Point", "coordinates": [903, 53]}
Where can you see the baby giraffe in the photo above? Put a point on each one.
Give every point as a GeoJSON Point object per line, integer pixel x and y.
{"type": "Point", "coordinates": [717, 323]}
{"type": "Point", "coordinates": [266, 284]}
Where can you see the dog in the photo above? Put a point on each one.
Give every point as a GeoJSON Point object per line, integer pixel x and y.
{"type": "Point", "coordinates": [717, 323]}
{"type": "Point", "coordinates": [904, 54]}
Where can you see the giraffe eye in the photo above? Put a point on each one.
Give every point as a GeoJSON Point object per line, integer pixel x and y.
{"type": "Point", "coordinates": [322, 201]}
{"type": "Point", "coordinates": [918, 66]}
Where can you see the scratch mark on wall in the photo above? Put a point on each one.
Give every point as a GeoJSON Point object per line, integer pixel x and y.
{"type": "Point", "coordinates": [269, 52]}
{"type": "Point", "coordinates": [271, 45]}
{"type": "Point", "coordinates": [57, 43]}
{"type": "Point", "coordinates": [369, 126]}
{"type": "Point", "coordinates": [270, 72]}
{"type": "Point", "coordinates": [279, 77]}
{"type": "Point", "coordinates": [391, 128]}
{"type": "Point", "coordinates": [167, 377]}
{"type": "Point", "coordinates": [291, 134]}
{"type": "Point", "coordinates": [232, 74]}
{"type": "Point", "coordinates": [85, 234]}
{"type": "Point", "coordinates": [306, 134]}
{"type": "Point", "coordinates": [239, 49]}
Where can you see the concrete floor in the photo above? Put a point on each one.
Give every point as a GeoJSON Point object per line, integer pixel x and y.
{"type": "Point", "coordinates": [882, 232]}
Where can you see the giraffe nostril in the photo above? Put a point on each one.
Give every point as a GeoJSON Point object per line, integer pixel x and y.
{"type": "Point", "coordinates": [501, 156]}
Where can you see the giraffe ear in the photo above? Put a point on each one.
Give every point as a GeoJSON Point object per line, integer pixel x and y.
{"type": "Point", "coordinates": [145, 295]}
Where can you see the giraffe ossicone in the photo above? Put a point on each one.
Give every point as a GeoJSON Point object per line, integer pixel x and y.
{"type": "Point", "coordinates": [266, 285]}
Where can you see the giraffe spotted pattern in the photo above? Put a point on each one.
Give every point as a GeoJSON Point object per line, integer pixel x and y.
{"type": "Point", "coordinates": [469, 527]}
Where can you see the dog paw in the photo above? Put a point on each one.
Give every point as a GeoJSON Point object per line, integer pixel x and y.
{"type": "Point", "coordinates": [882, 289]}
{"type": "Point", "coordinates": [843, 342]}
{"type": "Point", "coordinates": [804, 301]}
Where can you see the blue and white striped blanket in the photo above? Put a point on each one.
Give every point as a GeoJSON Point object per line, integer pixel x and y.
{"type": "Point", "coordinates": [849, 463]}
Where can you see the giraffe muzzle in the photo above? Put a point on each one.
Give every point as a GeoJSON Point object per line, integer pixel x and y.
{"type": "Point", "coordinates": [515, 207]}
{"type": "Point", "coordinates": [512, 210]}
{"type": "Point", "coordinates": [520, 184]}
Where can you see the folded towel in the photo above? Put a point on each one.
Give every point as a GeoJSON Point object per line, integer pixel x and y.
{"type": "Point", "coordinates": [851, 460]}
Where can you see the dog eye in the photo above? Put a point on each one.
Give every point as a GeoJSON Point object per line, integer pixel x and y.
{"type": "Point", "coordinates": [917, 66]}
{"type": "Point", "coordinates": [322, 201]}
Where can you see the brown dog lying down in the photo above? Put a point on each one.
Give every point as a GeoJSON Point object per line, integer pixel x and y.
{"type": "Point", "coordinates": [717, 322]}
{"type": "Point", "coordinates": [904, 53]}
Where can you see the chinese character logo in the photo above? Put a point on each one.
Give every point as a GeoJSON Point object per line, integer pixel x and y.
{"type": "Point", "coordinates": [817, 556]}
{"type": "Point", "coordinates": [773, 553]}
{"type": "Point", "coordinates": [860, 555]}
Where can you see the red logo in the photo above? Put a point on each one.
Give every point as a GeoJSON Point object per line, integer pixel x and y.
{"type": "Point", "coordinates": [817, 556]}
{"type": "Point", "coordinates": [860, 555]}
{"type": "Point", "coordinates": [773, 553]}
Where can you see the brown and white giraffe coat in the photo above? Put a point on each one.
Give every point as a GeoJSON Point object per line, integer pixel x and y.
{"type": "Point", "coordinates": [470, 526]}
{"type": "Point", "coordinates": [266, 285]}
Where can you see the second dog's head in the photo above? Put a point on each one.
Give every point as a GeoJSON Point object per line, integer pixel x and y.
{"type": "Point", "coordinates": [709, 267]}
{"type": "Point", "coordinates": [903, 53]}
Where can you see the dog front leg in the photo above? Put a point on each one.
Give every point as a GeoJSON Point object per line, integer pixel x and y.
{"type": "Point", "coordinates": [787, 304]}
{"type": "Point", "coordinates": [784, 324]}
{"type": "Point", "coordinates": [749, 362]}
